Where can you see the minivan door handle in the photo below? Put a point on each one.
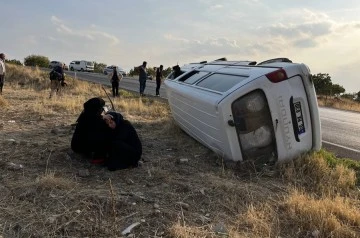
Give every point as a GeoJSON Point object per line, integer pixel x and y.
{"type": "Point", "coordinates": [231, 123]}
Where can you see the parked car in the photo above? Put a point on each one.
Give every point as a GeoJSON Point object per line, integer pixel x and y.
{"type": "Point", "coordinates": [66, 67]}
{"type": "Point", "coordinates": [243, 111]}
{"type": "Point", "coordinates": [109, 69]}
{"type": "Point", "coordinates": [55, 63]}
{"type": "Point", "coordinates": [81, 65]}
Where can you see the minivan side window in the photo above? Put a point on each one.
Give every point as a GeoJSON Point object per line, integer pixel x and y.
{"type": "Point", "coordinates": [193, 76]}
{"type": "Point", "coordinates": [77, 62]}
{"type": "Point", "coordinates": [221, 82]}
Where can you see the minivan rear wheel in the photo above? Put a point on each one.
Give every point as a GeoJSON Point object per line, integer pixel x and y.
{"type": "Point", "coordinates": [82, 70]}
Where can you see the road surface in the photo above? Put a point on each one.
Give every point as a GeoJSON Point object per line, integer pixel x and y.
{"type": "Point", "coordinates": [340, 129]}
{"type": "Point", "coordinates": [341, 132]}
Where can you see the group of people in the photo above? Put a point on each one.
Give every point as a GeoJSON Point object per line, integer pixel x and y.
{"type": "Point", "coordinates": [115, 77]}
{"type": "Point", "coordinates": [143, 77]}
{"type": "Point", "coordinates": [106, 138]}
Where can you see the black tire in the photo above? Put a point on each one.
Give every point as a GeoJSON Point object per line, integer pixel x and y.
{"type": "Point", "coordinates": [71, 69]}
{"type": "Point", "coordinates": [82, 70]}
{"type": "Point", "coordinates": [105, 72]}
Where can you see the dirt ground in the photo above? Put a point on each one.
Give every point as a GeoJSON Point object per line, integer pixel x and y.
{"type": "Point", "coordinates": [181, 189]}
{"type": "Point", "coordinates": [48, 191]}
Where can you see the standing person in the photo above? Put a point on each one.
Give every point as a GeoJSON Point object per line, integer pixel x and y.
{"type": "Point", "coordinates": [125, 146]}
{"type": "Point", "coordinates": [115, 78]}
{"type": "Point", "coordinates": [2, 71]}
{"type": "Point", "coordinates": [159, 76]}
{"type": "Point", "coordinates": [142, 77]}
{"type": "Point", "coordinates": [177, 71]}
{"type": "Point", "coordinates": [57, 78]}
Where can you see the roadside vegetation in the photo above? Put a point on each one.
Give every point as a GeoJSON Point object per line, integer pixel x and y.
{"type": "Point", "coordinates": [333, 95]}
{"type": "Point", "coordinates": [339, 103]}
{"type": "Point", "coordinates": [181, 190]}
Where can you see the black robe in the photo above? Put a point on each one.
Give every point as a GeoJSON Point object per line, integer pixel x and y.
{"type": "Point", "coordinates": [92, 135]}
{"type": "Point", "coordinates": [126, 147]}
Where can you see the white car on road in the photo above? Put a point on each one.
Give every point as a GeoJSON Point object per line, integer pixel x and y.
{"type": "Point", "coordinates": [109, 69]}
{"type": "Point", "coordinates": [81, 65]}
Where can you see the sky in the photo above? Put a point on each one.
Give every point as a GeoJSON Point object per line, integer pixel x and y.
{"type": "Point", "coordinates": [325, 35]}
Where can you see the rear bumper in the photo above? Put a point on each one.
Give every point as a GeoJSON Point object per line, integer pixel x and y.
{"type": "Point", "coordinates": [314, 110]}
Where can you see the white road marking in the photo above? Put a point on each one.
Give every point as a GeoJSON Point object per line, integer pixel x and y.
{"type": "Point", "coordinates": [341, 146]}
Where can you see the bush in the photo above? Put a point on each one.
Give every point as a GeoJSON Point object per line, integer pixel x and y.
{"type": "Point", "coordinates": [14, 61]}
{"type": "Point", "coordinates": [37, 60]}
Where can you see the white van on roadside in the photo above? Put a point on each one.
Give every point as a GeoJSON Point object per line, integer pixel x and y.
{"type": "Point", "coordinates": [266, 112]}
{"type": "Point", "coordinates": [81, 65]}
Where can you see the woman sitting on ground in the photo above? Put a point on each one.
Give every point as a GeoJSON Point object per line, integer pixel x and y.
{"type": "Point", "coordinates": [125, 146]}
{"type": "Point", "coordinates": [92, 135]}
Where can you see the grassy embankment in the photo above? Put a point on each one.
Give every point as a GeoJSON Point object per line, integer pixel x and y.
{"type": "Point", "coordinates": [316, 195]}
{"type": "Point", "coordinates": [339, 103]}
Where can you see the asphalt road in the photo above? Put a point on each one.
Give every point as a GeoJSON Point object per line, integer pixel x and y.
{"type": "Point", "coordinates": [341, 132]}
{"type": "Point", "coordinates": [340, 129]}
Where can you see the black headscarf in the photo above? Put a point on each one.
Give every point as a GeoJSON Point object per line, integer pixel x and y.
{"type": "Point", "coordinates": [94, 106]}
{"type": "Point", "coordinates": [117, 117]}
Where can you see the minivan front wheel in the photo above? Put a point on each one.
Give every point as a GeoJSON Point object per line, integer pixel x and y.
{"type": "Point", "coordinates": [72, 69]}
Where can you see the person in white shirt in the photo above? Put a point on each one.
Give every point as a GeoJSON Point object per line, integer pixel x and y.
{"type": "Point", "coordinates": [2, 71]}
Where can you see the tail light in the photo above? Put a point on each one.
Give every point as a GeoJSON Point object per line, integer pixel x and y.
{"type": "Point", "coordinates": [277, 76]}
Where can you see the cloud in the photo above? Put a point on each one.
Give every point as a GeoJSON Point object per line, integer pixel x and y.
{"type": "Point", "coordinates": [56, 20]}
{"type": "Point", "coordinates": [220, 46]}
{"type": "Point", "coordinates": [89, 34]}
{"type": "Point", "coordinates": [305, 43]}
{"type": "Point", "coordinates": [174, 38]}
{"type": "Point", "coordinates": [217, 6]}
{"type": "Point", "coordinates": [315, 28]}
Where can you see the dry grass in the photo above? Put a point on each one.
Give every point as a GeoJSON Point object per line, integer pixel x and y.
{"type": "Point", "coordinates": [335, 217]}
{"type": "Point", "coordinates": [339, 103]}
{"type": "Point", "coordinates": [314, 173]}
{"type": "Point", "coordinates": [3, 102]}
{"type": "Point", "coordinates": [47, 197]}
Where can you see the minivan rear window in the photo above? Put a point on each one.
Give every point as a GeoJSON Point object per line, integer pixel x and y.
{"type": "Point", "coordinates": [193, 76]}
{"type": "Point", "coordinates": [89, 63]}
{"type": "Point", "coordinates": [220, 82]}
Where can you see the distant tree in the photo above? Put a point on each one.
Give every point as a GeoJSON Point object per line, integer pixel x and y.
{"type": "Point", "coordinates": [336, 89]}
{"type": "Point", "coordinates": [37, 60]}
{"type": "Point", "coordinates": [13, 61]}
{"type": "Point", "coordinates": [348, 95]}
{"type": "Point", "coordinates": [151, 71]}
{"type": "Point", "coordinates": [358, 94]}
{"type": "Point", "coordinates": [134, 71]}
{"type": "Point", "coordinates": [322, 83]}
{"type": "Point", "coordinates": [167, 71]}
{"type": "Point", "coordinates": [99, 67]}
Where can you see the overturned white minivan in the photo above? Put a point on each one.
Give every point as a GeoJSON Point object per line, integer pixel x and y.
{"type": "Point", "coordinates": [246, 111]}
